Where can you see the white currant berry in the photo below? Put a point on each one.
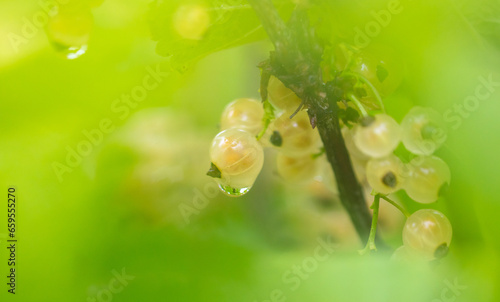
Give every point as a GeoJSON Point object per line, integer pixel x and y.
{"type": "Point", "coordinates": [428, 176]}
{"type": "Point", "coordinates": [297, 170]}
{"type": "Point", "coordinates": [377, 136]}
{"type": "Point", "coordinates": [239, 158]}
{"type": "Point", "coordinates": [354, 151]}
{"type": "Point", "coordinates": [401, 254]}
{"type": "Point", "coordinates": [281, 97]}
{"type": "Point", "coordinates": [427, 233]}
{"type": "Point", "coordinates": [384, 174]}
{"type": "Point", "coordinates": [423, 131]}
{"type": "Point", "coordinates": [245, 114]}
{"type": "Point", "coordinates": [326, 175]}
{"type": "Point", "coordinates": [295, 136]}
{"type": "Point", "coordinates": [191, 21]}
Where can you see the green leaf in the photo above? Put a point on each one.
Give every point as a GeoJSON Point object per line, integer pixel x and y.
{"type": "Point", "coordinates": [349, 116]}
{"type": "Point", "coordinates": [276, 139]}
{"type": "Point", "coordinates": [481, 18]}
{"type": "Point", "coordinates": [232, 23]}
{"type": "Point", "coordinates": [214, 172]}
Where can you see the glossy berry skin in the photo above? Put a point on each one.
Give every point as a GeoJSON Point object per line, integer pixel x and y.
{"type": "Point", "coordinates": [402, 254]}
{"type": "Point", "coordinates": [296, 170]}
{"type": "Point", "coordinates": [377, 136]}
{"type": "Point", "coordinates": [245, 114]}
{"type": "Point", "coordinates": [423, 131]}
{"type": "Point", "coordinates": [354, 151]}
{"type": "Point", "coordinates": [238, 156]}
{"type": "Point", "coordinates": [326, 175]}
{"type": "Point", "coordinates": [428, 175]}
{"type": "Point", "coordinates": [297, 137]}
{"type": "Point", "coordinates": [427, 233]}
{"type": "Point", "coordinates": [384, 175]}
{"type": "Point", "coordinates": [281, 97]}
{"type": "Point", "coordinates": [191, 21]}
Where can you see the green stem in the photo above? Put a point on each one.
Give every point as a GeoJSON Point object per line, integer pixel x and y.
{"type": "Point", "coordinates": [370, 245]}
{"type": "Point", "coordinates": [372, 88]}
{"type": "Point", "coordinates": [400, 208]}
{"type": "Point", "coordinates": [267, 122]}
{"type": "Point", "coordinates": [358, 104]}
{"type": "Point", "coordinates": [268, 118]}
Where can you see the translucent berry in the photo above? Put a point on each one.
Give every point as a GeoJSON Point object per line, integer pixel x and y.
{"type": "Point", "coordinates": [423, 131]}
{"type": "Point", "coordinates": [245, 114]}
{"type": "Point", "coordinates": [384, 174]}
{"type": "Point", "coordinates": [427, 233]}
{"type": "Point", "coordinates": [377, 136]}
{"type": "Point", "coordinates": [428, 176]}
{"type": "Point", "coordinates": [281, 97]}
{"type": "Point", "coordinates": [401, 254]}
{"type": "Point", "coordinates": [326, 175]}
{"type": "Point", "coordinates": [239, 158]}
{"type": "Point", "coordinates": [297, 170]}
{"type": "Point", "coordinates": [348, 135]}
{"type": "Point", "coordinates": [295, 136]}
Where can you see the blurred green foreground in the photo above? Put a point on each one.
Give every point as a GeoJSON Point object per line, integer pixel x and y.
{"type": "Point", "coordinates": [114, 205]}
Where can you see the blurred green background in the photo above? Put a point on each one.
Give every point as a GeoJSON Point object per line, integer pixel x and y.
{"type": "Point", "coordinates": [119, 207]}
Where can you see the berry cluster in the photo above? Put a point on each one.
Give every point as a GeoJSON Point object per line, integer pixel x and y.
{"type": "Point", "coordinates": [377, 137]}
{"type": "Point", "coordinates": [237, 153]}
{"type": "Point", "coordinates": [371, 137]}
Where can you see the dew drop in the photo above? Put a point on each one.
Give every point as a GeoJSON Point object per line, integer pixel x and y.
{"type": "Point", "coordinates": [234, 192]}
{"type": "Point", "coordinates": [69, 32]}
{"type": "Point", "coordinates": [68, 51]}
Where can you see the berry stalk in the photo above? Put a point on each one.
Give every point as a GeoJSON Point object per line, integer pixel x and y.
{"type": "Point", "coordinates": [370, 245]}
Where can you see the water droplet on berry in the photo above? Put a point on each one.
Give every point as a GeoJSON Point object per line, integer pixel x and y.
{"type": "Point", "coordinates": [234, 192]}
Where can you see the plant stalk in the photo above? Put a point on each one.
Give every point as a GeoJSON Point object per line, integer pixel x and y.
{"type": "Point", "coordinates": [296, 63]}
